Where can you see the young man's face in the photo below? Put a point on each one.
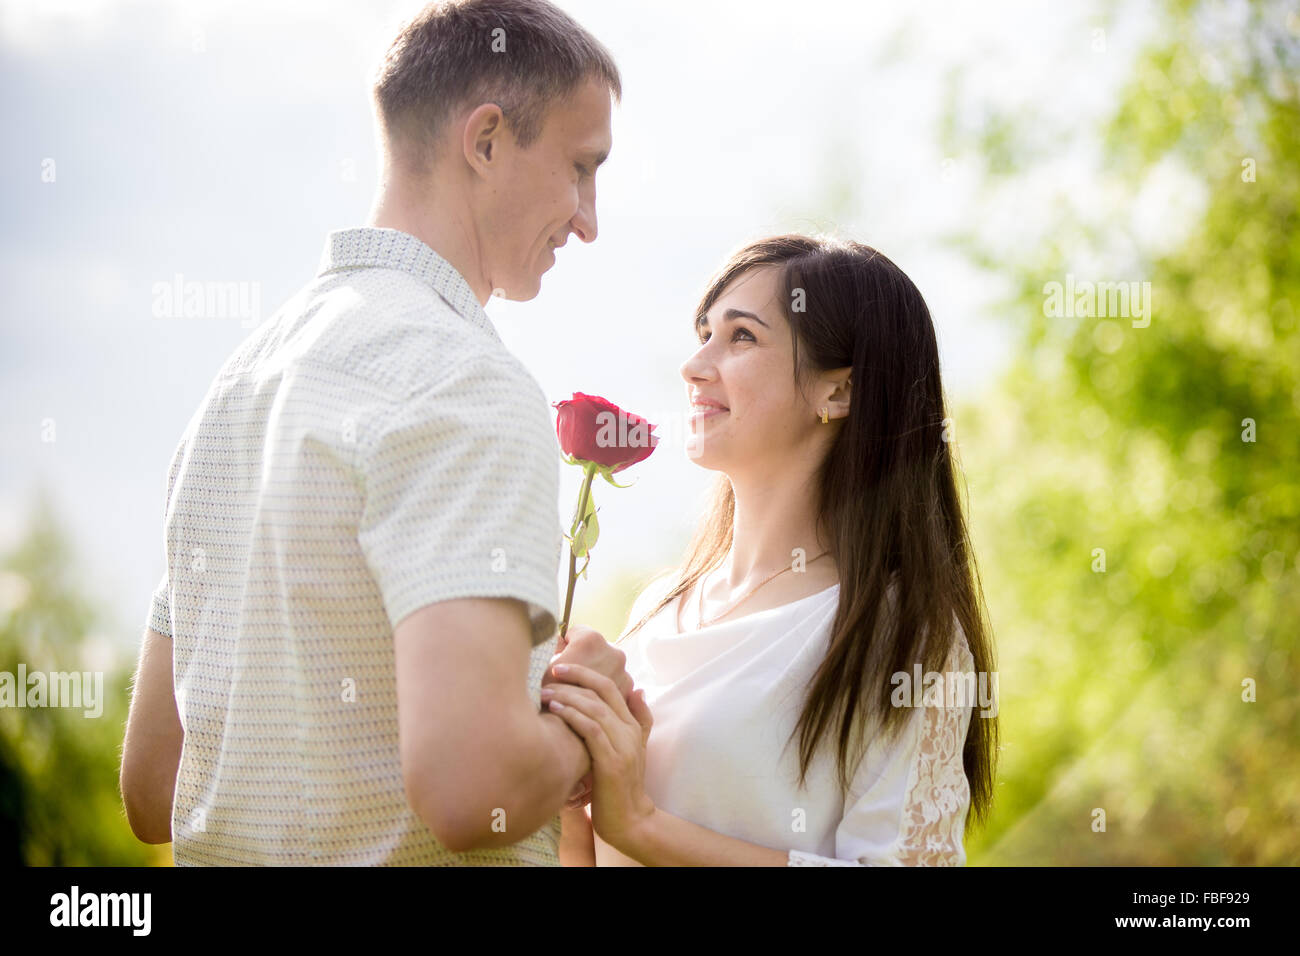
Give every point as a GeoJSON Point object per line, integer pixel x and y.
{"type": "Point", "coordinates": [539, 195]}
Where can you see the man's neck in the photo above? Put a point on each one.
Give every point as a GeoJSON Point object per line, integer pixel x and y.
{"type": "Point", "coordinates": [444, 226]}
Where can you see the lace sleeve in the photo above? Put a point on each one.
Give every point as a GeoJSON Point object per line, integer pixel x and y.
{"type": "Point", "coordinates": [935, 798]}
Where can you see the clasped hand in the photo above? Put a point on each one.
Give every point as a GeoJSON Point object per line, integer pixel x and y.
{"type": "Point", "coordinates": [588, 686]}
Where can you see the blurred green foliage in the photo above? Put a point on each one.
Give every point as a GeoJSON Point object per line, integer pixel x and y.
{"type": "Point", "coordinates": [59, 799]}
{"type": "Point", "coordinates": [1122, 690]}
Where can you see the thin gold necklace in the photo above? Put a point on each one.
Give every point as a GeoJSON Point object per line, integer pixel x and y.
{"type": "Point", "coordinates": [699, 614]}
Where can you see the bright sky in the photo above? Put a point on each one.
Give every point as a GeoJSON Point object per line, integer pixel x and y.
{"type": "Point", "coordinates": [224, 140]}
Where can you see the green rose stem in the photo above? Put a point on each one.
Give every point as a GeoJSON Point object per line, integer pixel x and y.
{"type": "Point", "coordinates": [579, 530]}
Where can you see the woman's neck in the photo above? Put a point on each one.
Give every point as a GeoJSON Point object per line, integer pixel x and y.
{"type": "Point", "coordinates": [772, 519]}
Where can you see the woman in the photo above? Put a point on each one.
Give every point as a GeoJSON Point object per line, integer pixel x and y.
{"type": "Point", "coordinates": [834, 547]}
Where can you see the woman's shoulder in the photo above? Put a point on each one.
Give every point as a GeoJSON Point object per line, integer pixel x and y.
{"type": "Point", "coordinates": [958, 659]}
{"type": "Point", "coordinates": [650, 595]}
{"type": "Point", "coordinates": [959, 655]}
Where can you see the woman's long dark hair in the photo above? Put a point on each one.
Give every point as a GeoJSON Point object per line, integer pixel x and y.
{"type": "Point", "coordinates": [888, 497]}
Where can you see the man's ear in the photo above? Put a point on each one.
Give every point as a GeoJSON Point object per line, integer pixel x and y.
{"type": "Point", "coordinates": [481, 137]}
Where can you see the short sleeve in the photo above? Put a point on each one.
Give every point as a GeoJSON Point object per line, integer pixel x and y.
{"type": "Point", "coordinates": [461, 485]}
{"type": "Point", "coordinates": [160, 615]}
{"type": "Point", "coordinates": [160, 618]}
{"type": "Point", "coordinates": [908, 802]}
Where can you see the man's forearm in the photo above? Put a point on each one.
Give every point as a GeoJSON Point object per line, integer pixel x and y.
{"type": "Point", "coordinates": [551, 760]}
{"type": "Point", "coordinates": [559, 763]}
{"type": "Point", "coordinates": [151, 747]}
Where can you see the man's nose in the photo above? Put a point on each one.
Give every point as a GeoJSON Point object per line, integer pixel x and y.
{"type": "Point", "coordinates": [584, 220]}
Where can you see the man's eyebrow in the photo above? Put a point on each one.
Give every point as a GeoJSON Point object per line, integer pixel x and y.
{"type": "Point", "coordinates": [730, 315]}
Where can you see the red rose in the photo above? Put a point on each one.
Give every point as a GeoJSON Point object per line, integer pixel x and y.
{"type": "Point", "coordinates": [602, 439]}
{"type": "Point", "coordinates": [593, 429]}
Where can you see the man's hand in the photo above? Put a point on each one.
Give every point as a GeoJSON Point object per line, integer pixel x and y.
{"type": "Point", "coordinates": [581, 795]}
{"type": "Point", "coordinates": [582, 645]}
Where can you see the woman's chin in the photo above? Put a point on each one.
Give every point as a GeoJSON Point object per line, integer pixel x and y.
{"type": "Point", "coordinates": [703, 452]}
{"type": "Point", "coordinates": [706, 441]}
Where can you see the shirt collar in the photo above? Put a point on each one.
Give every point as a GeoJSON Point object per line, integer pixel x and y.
{"type": "Point", "coordinates": [372, 247]}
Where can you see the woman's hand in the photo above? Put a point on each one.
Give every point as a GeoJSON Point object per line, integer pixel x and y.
{"type": "Point", "coordinates": [588, 647]}
{"type": "Point", "coordinates": [615, 732]}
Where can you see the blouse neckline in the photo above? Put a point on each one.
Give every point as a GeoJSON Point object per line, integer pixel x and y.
{"type": "Point", "coordinates": [744, 617]}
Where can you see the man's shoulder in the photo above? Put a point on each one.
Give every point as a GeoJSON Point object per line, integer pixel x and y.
{"type": "Point", "coordinates": [387, 328]}
{"type": "Point", "coordinates": [390, 322]}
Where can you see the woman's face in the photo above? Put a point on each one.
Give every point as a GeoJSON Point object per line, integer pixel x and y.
{"type": "Point", "coordinates": [745, 363]}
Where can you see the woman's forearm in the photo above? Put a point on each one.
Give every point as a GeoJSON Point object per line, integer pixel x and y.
{"type": "Point", "coordinates": [665, 840]}
{"type": "Point", "coordinates": [577, 841]}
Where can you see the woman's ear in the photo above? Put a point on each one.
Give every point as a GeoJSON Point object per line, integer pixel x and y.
{"type": "Point", "coordinates": [838, 391]}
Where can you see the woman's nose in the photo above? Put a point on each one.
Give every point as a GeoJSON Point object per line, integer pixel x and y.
{"type": "Point", "coordinates": [694, 369]}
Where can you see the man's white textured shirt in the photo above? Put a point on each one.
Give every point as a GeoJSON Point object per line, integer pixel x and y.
{"type": "Point", "coordinates": [370, 449]}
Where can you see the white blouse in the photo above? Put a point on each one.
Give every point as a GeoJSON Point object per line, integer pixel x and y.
{"type": "Point", "coordinates": [725, 699]}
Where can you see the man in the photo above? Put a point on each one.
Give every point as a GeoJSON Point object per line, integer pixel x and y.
{"type": "Point", "coordinates": [343, 658]}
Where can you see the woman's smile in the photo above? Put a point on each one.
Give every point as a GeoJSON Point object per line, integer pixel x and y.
{"type": "Point", "coordinates": [700, 413]}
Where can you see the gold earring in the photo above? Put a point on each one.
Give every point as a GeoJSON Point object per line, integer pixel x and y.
{"type": "Point", "coordinates": [825, 420]}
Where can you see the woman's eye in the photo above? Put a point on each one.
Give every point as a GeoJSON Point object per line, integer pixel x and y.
{"type": "Point", "coordinates": [740, 330]}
